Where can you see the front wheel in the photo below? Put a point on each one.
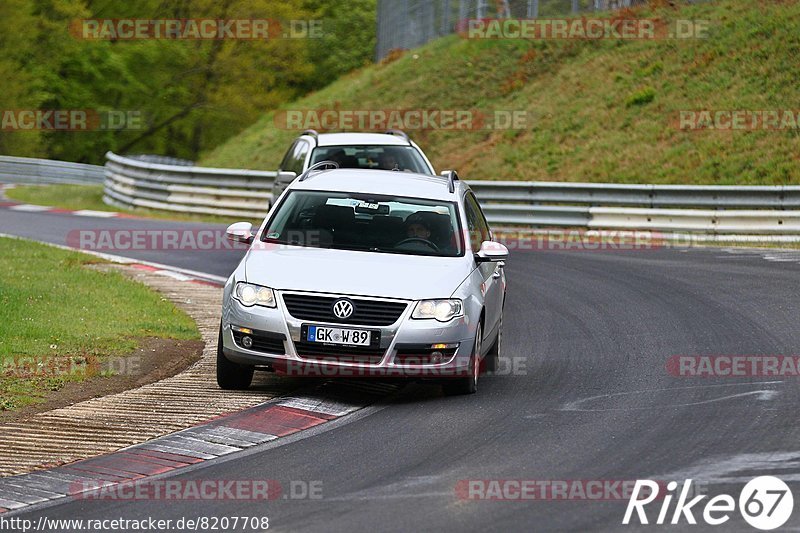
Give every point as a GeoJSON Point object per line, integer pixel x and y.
{"type": "Point", "coordinates": [492, 361]}
{"type": "Point", "coordinates": [231, 376]}
{"type": "Point", "coordinates": [469, 384]}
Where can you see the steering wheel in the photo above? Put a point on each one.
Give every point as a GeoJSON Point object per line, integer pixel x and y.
{"type": "Point", "coordinates": [426, 242]}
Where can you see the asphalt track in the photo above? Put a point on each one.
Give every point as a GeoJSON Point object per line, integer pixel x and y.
{"type": "Point", "coordinates": [590, 334]}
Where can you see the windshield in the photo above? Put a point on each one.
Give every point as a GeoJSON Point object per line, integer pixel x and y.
{"type": "Point", "coordinates": [404, 158]}
{"type": "Point", "coordinates": [354, 221]}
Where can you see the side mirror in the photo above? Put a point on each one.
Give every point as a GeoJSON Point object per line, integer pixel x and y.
{"type": "Point", "coordinates": [491, 251]}
{"type": "Point", "coordinates": [240, 232]}
{"type": "Point", "coordinates": [284, 176]}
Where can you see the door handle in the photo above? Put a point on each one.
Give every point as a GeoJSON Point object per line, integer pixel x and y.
{"type": "Point", "coordinates": [498, 269]}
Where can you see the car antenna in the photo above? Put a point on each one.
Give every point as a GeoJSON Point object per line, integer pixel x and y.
{"type": "Point", "coordinates": [318, 167]}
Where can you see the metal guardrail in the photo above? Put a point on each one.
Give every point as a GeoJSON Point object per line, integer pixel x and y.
{"type": "Point", "coordinates": [707, 209]}
{"type": "Point", "coordinates": [31, 170]}
{"type": "Point", "coordinates": [702, 208]}
{"type": "Point", "coordinates": [652, 196]}
{"type": "Point", "coordinates": [187, 189]}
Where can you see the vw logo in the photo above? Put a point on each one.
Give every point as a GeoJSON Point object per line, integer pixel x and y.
{"type": "Point", "coordinates": [343, 308]}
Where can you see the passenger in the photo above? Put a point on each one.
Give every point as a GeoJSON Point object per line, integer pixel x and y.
{"type": "Point", "coordinates": [388, 161]}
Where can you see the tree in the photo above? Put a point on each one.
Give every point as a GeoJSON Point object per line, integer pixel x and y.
{"type": "Point", "coordinates": [191, 94]}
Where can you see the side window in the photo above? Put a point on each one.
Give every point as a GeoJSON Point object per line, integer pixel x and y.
{"type": "Point", "coordinates": [295, 157]}
{"type": "Point", "coordinates": [286, 162]}
{"type": "Point", "coordinates": [299, 157]}
{"type": "Point", "coordinates": [476, 223]}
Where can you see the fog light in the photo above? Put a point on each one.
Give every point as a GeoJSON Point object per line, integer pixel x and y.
{"type": "Point", "coordinates": [436, 357]}
{"type": "Point", "coordinates": [247, 342]}
{"type": "Point", "coordinates": [442, 346]}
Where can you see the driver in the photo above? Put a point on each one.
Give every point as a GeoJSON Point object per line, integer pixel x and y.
{"type": "Point", "coordinates": [338, 157]}
{"type": "Point", "coordinates": [417, 227]}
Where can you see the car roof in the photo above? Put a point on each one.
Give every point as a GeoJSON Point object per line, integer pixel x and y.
{"type": "Point", "coordinates": [337, 139]}
{"type": "Point", "coordinates": [387, 182]}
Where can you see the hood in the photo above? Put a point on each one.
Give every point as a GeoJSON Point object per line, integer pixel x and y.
{"type": "Point", "coordinates": [356, 273]}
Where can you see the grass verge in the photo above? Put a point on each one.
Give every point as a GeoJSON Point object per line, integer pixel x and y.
{"type": "Point", "coordinates": [59, 321]}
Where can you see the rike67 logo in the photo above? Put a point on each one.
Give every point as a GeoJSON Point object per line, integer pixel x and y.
{"type": "Point", "coordinates": [765, 503]}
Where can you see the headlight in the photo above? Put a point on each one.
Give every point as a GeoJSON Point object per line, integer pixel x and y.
{"type": "Point", "coordinates": [251, 295]}
{"type": "Point", "coordinates": [441, 310]}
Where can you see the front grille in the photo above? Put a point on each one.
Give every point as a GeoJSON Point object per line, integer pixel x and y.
{"type": "Point", "coordinates": [339, 354]}
{"type": "Point", "coordinates": [320, 308]}
{"type": "Point", "coordinates": [263, 341]}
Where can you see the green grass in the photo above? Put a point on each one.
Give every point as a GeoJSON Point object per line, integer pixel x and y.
{"type": "Point", "coordinates": [603, 111]}
{"type": "Point", "coordinates": [77, 197]}
{"type": "Point", "coordinates": [55, 313]}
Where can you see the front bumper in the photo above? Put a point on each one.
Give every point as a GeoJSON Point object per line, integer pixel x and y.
{"type": "Point", "coordinates": [279, 334]}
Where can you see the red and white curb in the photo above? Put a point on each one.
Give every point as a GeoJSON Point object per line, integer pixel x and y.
{"type": "Point", "coordinates": [222, 436]}
{"type": "Point", "coordinates": [30, 208]}
{"type": "Point", "coordinates": [216, 438]}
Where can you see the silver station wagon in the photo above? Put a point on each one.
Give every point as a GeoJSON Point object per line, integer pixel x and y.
{"type": "Point", "coordinates": [366, 273]}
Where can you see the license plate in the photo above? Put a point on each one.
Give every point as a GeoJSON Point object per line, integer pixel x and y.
{"type": "Point", "coordinates": [349, 337]}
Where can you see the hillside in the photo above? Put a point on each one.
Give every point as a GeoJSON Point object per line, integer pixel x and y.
{"type": "Point", "coordinates": [603, 110]}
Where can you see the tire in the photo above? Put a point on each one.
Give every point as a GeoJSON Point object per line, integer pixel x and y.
{"type": "Point", "coordinates": [467, 385]}
{"type": "Point", "coordinates": [231, 376]}
{"type": "Point", "coordinates": [491, 363]}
